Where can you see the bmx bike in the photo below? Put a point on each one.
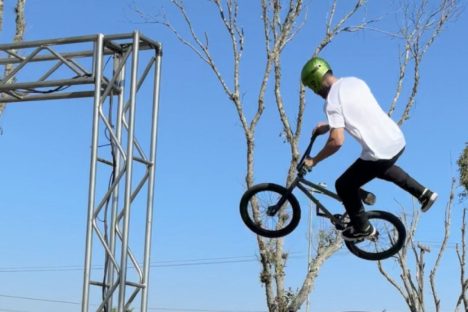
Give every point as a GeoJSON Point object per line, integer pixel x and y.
{"type": "Point", "coordinates": [272, 211]}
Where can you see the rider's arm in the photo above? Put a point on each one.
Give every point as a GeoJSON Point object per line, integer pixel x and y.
{"type": "Point", "coordinates": [334, 142]}
{"type": "Point", "coordinates": [321, 128]}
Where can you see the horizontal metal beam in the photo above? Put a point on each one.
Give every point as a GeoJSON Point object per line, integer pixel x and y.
{"type": "Point", "coordinates": [50, 96]}
{"type": "Point", "coordinates": [51, 57]}
{"type": "Point", "coordinates": [45, 84]}
{"type": "Point", "coordinates": [145, 43]}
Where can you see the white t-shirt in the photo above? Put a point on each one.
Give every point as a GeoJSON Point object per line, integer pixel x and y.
{"type": "Point", "coordinates": [351, 105]}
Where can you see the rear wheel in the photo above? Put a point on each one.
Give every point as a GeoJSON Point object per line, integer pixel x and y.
{"type": "Point", "coordinates": [255, 204]}
{"type": "Point", "coordinates": [389, 239]}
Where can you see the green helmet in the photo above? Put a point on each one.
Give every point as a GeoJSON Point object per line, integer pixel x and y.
{"type": "Point", "coordinates": [313, 72]}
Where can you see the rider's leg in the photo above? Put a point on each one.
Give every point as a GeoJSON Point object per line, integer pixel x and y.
{"type": "Point", "coordinates": [398, 176]}
{"type": "Point", "coordinates": [348, 187]}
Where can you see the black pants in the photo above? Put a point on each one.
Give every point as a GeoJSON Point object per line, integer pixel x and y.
{"type": "Point", "coordinates": [363, 171]}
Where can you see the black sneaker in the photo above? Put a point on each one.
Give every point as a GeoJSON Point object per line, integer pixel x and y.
{"type": "Point", "coordinates": [350, 234]}
{"type": "Point", "coordinates": [427, 199]}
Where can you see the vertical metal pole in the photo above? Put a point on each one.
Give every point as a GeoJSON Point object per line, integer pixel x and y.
{"type": "Point", "coordinates": [129, 167]}
{"type": "Point", "coordinates": [152, 170]}
{"type": "Point", "coordinates": [115, 196]}
{"type": "Point", "coordinates": [98, 49]}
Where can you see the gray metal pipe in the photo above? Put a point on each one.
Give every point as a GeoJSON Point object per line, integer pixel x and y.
{"type": "Point", "coordinates": [129, 165]}
{"type": "Point", "coordinates": [151, 181]}
{"type": "Point", "coordinates": [92, 176]}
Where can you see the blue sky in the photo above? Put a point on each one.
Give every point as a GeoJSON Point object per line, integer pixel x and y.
{"type": "Point", "coordinates": [203, 257]}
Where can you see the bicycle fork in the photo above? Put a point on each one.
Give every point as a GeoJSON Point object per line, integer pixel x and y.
{"type": "Point", "coordinates": [273, 210]}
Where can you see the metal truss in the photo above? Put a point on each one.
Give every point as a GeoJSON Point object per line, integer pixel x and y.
{"type": "Point", "coordinates": [117, 71]}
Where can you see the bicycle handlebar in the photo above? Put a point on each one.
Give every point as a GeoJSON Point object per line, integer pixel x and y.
{"type": "Point", "coordinates": [300, 165]}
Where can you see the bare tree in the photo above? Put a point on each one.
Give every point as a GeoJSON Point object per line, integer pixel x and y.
{"type": "Point", "coordinates": [19, 34]}
{"type": "Point", "coordinates": [281, 23]}
{"type": "Point", "coordinates": [421, 25]}
{"type": "Point", "coordinates": [412, 285]}
{"type": "Point", "coordinates": [280, 27]}
{"type": "Point", "coordinates": [413, 282]}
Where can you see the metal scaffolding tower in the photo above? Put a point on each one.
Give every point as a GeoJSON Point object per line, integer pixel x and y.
{"type": "Point", "coordinates": [122, 170]}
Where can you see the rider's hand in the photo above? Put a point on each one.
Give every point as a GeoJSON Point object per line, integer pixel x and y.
{"type": "Point", "coordinates": [321, 128]}
{"type": "Point", "coordinates": [309, 163]}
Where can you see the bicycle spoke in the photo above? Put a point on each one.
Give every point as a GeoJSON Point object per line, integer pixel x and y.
{"type": "Point", "coordinates": [258, 209]}
{"type": "Point", "coordinates": [385, 238]}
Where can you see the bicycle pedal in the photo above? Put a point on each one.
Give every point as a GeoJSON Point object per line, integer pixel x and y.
{"type": "Point", "coordinates": [338, 222]}
{"type": "Point", "coordinates": [367, 198]}
{"type": "Point", "coordinates": [374, 237]}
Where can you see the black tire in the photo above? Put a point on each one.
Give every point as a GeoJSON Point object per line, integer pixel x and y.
{"type": "Point", "coordinates": [266, 195]}
{"type": "Point", "coordinates": [391, 236]}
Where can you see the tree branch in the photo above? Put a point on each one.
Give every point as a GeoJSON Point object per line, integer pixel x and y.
{"type": "Point", "coordinates": [201, 49]}
{"type": "Point", "coordinates": [403, 64]}
{"type": "Point", "coordinates": [443, 247]}
{"type": "Point", "coordinates": [421, 29]}
{"type": "Point", "coordinates": [392, 281]}
{"type": "Point", "coordinates": [409, 291]}
{"type": "Point", "coordinates": [413, 288]}
{"type": "Point", "coordinates": [461, 254]}
{"type": "Point", "coordinates": [265, 276]}
{"type": "Point", "coordinates": [332, 31]}
{"type": "Point", "coordinates": [420, 272]}
{"type": "Point", "coordinates": [281, 31]}
{"type": "Point", "coordinates": [324, 252]}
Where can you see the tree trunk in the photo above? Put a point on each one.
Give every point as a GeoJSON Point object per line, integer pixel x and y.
{"type": "Point", "coordinates": [323, 254]}
{"type": "Point", "coordinates": [1, 15]}
{"type": "Point", "coordinates": [19, 34]}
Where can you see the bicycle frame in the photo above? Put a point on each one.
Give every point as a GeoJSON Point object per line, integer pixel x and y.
{"type": "Point", "coordinates": [305, 186]}
{"type": "Point", "coordinates": [388, 237]}
{"type": "Point", "coordinates": [308, 187]}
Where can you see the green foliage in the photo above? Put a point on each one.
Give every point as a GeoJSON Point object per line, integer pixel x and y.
{"type": "Point", "coordinates": [463, 169]}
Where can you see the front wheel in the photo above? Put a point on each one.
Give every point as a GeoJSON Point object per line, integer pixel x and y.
{"type": "Point", "coordinates": [256, 203]}
{"type": "Point", "coordinates": [389, 239]}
